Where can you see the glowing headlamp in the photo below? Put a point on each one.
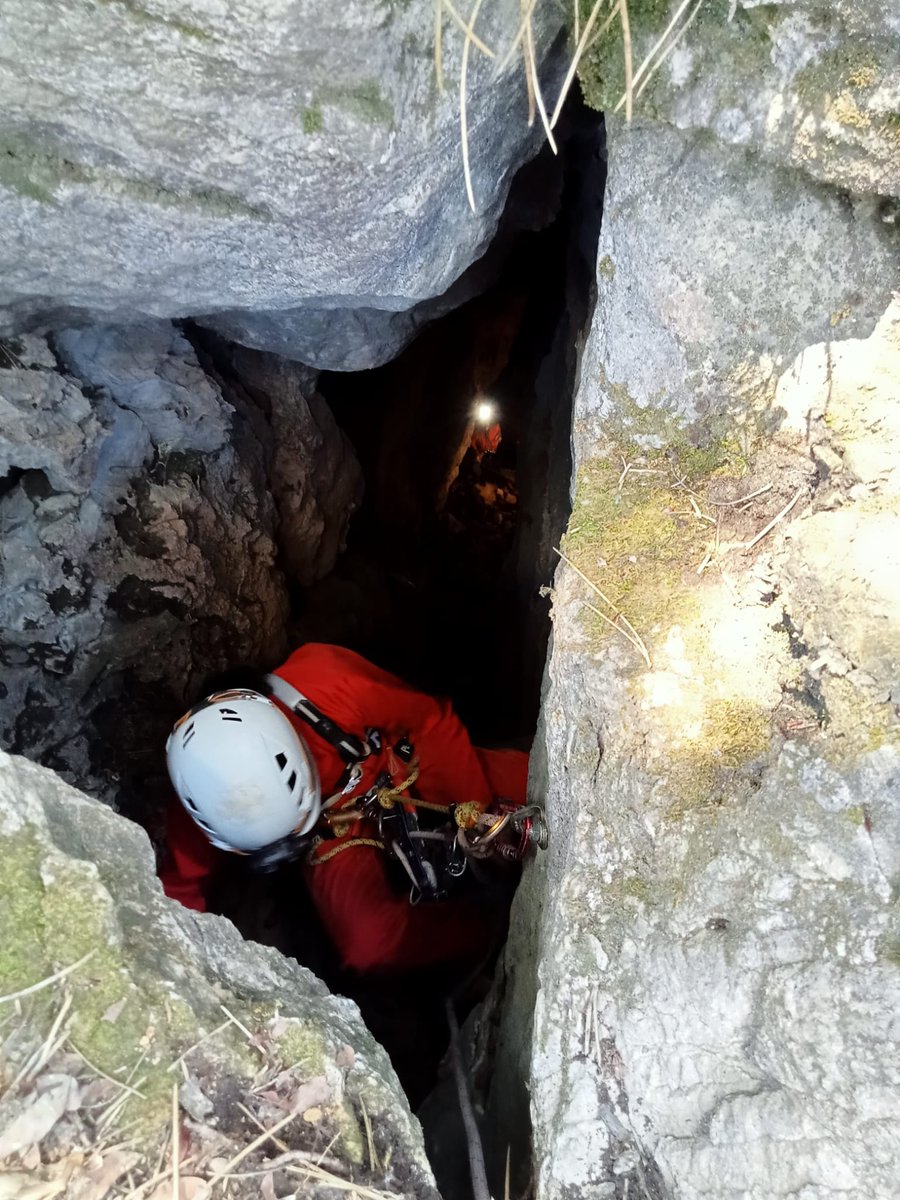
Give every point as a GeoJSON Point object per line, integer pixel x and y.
{"type": "Point", "coordinates": [485, 412]}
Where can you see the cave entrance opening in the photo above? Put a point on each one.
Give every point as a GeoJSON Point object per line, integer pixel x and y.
{"type": "Point", "coordinates": [464, 444]}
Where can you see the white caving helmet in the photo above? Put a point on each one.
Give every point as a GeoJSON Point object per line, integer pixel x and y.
{"type": "Point", "coordinates": [242, 771]}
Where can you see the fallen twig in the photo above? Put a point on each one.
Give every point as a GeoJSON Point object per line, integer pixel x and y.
{"type": "Point", "coordinates": [771, 525]}
{"type": "Point", "coordinates": [190, 1050]}
{"type": "Point", "coordinates": [370, 1140]}
{"type": "Point", "coordinates": [480, 1189]}
{"type": "Point", "coordinates": [265, 1136]}
{"type": "Point", "coordinates": [628, 632]}
{"type": "Point", "coordinates": [743, 500]}
{"type": "Point", "coordinates": [50, 980]}
{"type": "Point", "coordinates": [176, 1146]}
{"type": "Point", "coordinates": [103, 1075]}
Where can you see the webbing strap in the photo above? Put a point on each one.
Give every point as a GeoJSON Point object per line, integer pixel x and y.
{"type": "Point", "coordinates": [351, 748]}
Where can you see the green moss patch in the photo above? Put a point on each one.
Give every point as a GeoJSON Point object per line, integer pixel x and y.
{"type": "Point", "coordinates": [312, 119]}
{"type": "Point", "coordinates": [635, 532]}
{"type": "Point", "coordinates": [703, 771]}
{"type": "Point", "coordinates": [365, 101]}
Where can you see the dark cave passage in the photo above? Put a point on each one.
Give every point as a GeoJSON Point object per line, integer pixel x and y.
{"type": "Point", "coordinates": [464, 443]}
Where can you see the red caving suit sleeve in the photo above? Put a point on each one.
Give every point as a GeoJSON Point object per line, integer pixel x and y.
{"type": "Point", "coordinates": [189, 860]}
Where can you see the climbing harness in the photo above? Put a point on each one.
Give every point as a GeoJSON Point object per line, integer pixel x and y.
{"type": "Point", "coordinates": [431, 858]}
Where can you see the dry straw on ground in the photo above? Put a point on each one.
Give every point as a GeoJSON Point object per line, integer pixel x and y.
{"type": "Point", "coordinates": [65, 1129]}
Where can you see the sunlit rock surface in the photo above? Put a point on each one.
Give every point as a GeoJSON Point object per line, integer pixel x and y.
{"type": "Point", "coordinates": [166, 997]}
{"type": "Point", "coordinates": [703, 975]}
{"type": "Point", "coordinates": [805, 83]}
{"type": "Point", "coordinates": [142, 514]}
{"type": "Point", "coordinates": [290, 170]}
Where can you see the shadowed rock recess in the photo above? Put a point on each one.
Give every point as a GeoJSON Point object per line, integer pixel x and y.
{"type": "Point", "coordinates": [699, 996]}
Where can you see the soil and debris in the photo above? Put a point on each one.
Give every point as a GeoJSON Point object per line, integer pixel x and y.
{"type": "Point", "coordinates": [69, 1129]}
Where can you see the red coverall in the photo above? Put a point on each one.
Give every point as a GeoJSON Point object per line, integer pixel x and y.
{"type": "Point", "coordinates": [371, 925]}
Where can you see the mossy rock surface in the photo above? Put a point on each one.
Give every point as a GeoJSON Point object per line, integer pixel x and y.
{"type": "Point", "coordinates": [150, 987]}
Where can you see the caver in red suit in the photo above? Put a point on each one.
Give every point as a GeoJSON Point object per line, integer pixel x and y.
{"type": "Point", "coordinates": [372, 925]}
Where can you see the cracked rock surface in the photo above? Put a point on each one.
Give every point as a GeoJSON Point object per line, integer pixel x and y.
{"type": "Point", "coordinates": [142, 514]}
{"type": "Point", "coordinates": [291, 174]}
{"type": "Point", "coordinates": [703, 972]}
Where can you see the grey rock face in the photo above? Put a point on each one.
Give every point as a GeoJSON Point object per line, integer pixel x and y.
{"type": "Point", "coordinates": [279, 167]}
{"type": "Point", "coordinates": [78, 881]}
{"type": "Point", "coordinates": [313, 472]}
{"type": "Point", "coordinates": [706, 958]}
{"type": "Point", "coordinates": [808, 85]}
{"type": "Point", "coordinates": [141, 518]}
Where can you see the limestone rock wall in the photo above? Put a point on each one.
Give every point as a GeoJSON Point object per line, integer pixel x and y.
{"type": "Point", "coordinates": [160, 996]}
{"type": "Point", "coordinates": [702, 975]}
{"type": "Point", "coordinates": [291, 171]}
{"type": "Point", "coordinates": [146, 526]}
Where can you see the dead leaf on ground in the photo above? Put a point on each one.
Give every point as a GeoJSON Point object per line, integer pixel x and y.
{"type": "Point", "coordinates": [267, 1187]}
{"type": "Point", "coordinates": [100, 1174]}
{"type": "Point", "coordinates": [17, 1186]}
{"type": "Point", "coordinates": [37, 1114]}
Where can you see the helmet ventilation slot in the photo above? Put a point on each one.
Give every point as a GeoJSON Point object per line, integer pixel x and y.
{"type": "Point", "coordinates": [281, 759]}
{"type": "Point", "coordinates": [188, 734]}
{"type": "Point", "coordinates": [292, 780]}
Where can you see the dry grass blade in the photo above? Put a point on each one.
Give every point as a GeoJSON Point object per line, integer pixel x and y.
{"type": "Point", "coordinates": [176, 1146]}
{"type": "Point", "coordinates": [506, 1176]}
{"type": "Point", "coordinates": [370, 1140]}
{"type": "Point", "coordinates": [532, 73]}
{"type": "Point", "coordinates": [243, 1028]}
{"type": "Point", "coordinates": [463, 123]}
{"type": "Point", "coordinates": [451, 9]}
{"type": "Point", "coordinates": [265, 1136]}
{"type": "Point", "coordinates": [51, 1043]}
{"type": "Point", "coordinates": [621, 623]}
{"type": "Point", "coordinates": [671, 46]}
{"type": "Point", "coordinates": [320, 1175]}
{"type": "Point", "coordinates": [579, 51]}
{"type": "Point", "coordinates": [771, 525]}
{"type": "Point", "coordinates": [629, 62]}
{"type": "Point", "coordinates": [190, 1050]}
{"type": "Point", "coordinates": [660, 41]}
{"type": "Point", "coordinates": [743, 500]}
{"type": "Point", "coordinates": [576, 33]}
{"type": "Point", "coordinates": [438, 45]}
{"type": "Point", "coordinates": [529, 85]}
{"type": "Point", "coordinates": [282, 1146]}
{"type": "Point", "coordinates": [50, 980]}
{"type": "Point", "coordinates": [517, 40]}
{"type": "Point", "coordinates": [103, 1075]}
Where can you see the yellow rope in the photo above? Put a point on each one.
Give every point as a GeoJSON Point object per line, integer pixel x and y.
{"type": "Point", "coordinates": [316, 860]}
{"type": "Point", "coordinates": [388, 797]}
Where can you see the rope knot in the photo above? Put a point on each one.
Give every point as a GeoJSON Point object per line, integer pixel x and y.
{"type": "Point", "coordinates": [466, 815]}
